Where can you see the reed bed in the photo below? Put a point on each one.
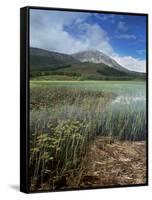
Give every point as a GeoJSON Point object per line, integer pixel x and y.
{"type": "Point", "coordinates": [63, 122]}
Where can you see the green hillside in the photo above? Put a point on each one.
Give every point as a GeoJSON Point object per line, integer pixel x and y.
{"type": "Point", "coordinates": [42, 60]}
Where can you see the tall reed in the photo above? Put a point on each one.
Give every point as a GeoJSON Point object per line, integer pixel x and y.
{"type": "Point", "coordinates": [63, 122]}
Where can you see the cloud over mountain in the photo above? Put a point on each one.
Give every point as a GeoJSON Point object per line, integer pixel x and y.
{"type": "Point", "coordinates": [71, 32]}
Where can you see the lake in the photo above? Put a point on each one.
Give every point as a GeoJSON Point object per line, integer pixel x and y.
{"type": "Point", "coordinates": [125, 113]}
{"type": "Point", "coordinates": [131, 93]}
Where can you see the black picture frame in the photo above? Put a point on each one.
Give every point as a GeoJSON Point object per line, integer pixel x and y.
{"type": "Point", "coordinates": [24, 94]}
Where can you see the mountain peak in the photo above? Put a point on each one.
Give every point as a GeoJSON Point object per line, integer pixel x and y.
{"type": "Point", "coordinates": [96, 56]}
{"type": "Point", "coordinates": [90, 51]}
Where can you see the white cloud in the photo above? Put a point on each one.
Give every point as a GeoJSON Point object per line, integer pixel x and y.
{"type": "Point", "coordinates": [97, 38]}
{"type": "Point", "coordinates": [131, 63]}
{"type": "Point", "coordinates": [126, 36]}
{"type": "Point", "coordinates": [106, 17]}
{"type": "Point", "coordinates": [122, 26]}
{"type": "Point", "coordinates": [51, 34]}
{"type": "Point", "coordinates": [121, 30]}
{"type": "Point", "coordinates": [47, 30]}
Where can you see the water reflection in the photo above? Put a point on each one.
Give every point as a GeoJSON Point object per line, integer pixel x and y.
{"type": "Point", "coordinates": [128, 99]}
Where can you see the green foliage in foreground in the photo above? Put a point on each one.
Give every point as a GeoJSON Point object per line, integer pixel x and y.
{"type": "Point", "coordinates": [55, 153]}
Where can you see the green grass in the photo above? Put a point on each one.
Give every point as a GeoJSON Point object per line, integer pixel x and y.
{"type": "Point", "coordinates": [118, 87]}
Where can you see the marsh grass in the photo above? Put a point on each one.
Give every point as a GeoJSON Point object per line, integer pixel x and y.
{"type": "Point", "coordinates": [63, 122]}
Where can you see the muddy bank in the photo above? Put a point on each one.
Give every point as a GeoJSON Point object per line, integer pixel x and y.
{"type": "Point", "coordinates": [112, 162]}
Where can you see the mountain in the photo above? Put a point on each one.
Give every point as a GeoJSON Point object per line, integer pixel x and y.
{"type": "Point", "coordinates": [85, 65]}
{"type": "Point", "coordinates": [95, 56]}
{"type": "Point", "coordinates": [44, 60]}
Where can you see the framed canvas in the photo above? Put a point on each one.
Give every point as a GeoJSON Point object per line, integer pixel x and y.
{"type": "Point", "coordinates": [84, 99]}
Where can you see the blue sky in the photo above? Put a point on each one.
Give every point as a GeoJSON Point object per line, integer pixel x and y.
{"type": "Point", "coordinates": [127, 34]}
{"type": "Point", "coordinates": [122, 37]}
